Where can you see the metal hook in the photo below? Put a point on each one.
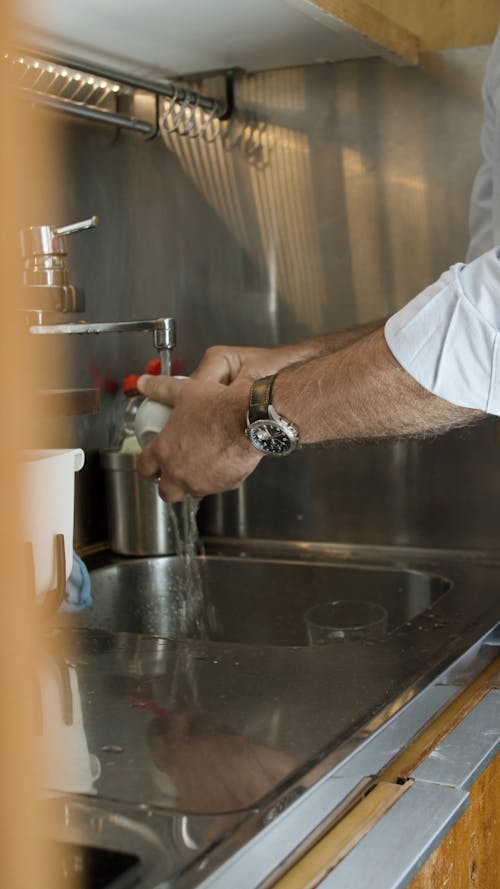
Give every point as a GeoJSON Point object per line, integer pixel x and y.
{"type": "Point", "coordinates": [173, 127]}
{"type": "Point", "coordinates": [167, 112]}
{"type": "Point", "coordinates": [233, 125]}
{"type": "Point", "coordinates": [205, 119]}
{"type": "Point", "coordinates": [156, 128]}
{"type": "Point", "coordinates": [190, 121]}
{"type": "Point", "coordinates": [247, 136]}
{"type": "Point", "coordinates": [260, 151]}
{"type": "Point", "coordinates": [209, 122]}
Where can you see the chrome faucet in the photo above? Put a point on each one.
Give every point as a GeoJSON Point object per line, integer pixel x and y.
{"type": "Point", "coordinates": [163, 330]}
{"type": "Point", "coordinates": [46, 281]}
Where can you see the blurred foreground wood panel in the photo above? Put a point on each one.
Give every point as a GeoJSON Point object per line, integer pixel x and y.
{"type": "Point", "coordinates": [22, 158]}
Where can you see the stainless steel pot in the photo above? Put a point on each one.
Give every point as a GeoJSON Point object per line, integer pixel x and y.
{"type": "Point", "coordinates": [139, 522]}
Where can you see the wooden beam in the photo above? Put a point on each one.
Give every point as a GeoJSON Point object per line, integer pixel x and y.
{"type": "Point", "coordinates": [393, 39]}
{"type": "Point", "coordinates": [444, 24]}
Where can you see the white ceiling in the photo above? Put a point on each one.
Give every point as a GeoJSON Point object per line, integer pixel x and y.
{"type": "Point", "coordinates": [187, 36]}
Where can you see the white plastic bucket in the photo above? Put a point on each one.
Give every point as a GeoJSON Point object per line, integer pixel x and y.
{"type": "Point", "coordinates": [48, 498]}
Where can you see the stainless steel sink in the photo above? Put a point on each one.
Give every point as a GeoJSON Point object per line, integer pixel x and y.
{"type": "Point", "coordinates": [189, 734]}
{"type": "Point", "coordinates": [246, 600]}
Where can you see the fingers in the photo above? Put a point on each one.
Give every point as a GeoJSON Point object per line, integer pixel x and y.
{"type": "Point", "coordinates": [169, 488]}
{"type": "Point", "coordinates": [218, 365]}
{"type": "Point", "coordinates": [149, 467]}
{"type": "Point", "coordinates": [148, 463]}
{"type": "Point", "coordinates": [164, 389]}
{"type": "Point", "coordinates": [171, 493]}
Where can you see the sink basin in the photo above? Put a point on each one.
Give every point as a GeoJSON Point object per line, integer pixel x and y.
{"type": "Point", "coordinates": [246, 600]}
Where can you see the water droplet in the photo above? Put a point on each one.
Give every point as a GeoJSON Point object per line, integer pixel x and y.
{"type": "Point", "coordinates": [112, 748]}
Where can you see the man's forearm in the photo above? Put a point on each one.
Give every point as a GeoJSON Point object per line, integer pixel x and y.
{"type": "Point", "coordinates": [224, 364]}
{"type": "Point", "coordinates": [326, 344]}
{"type": "Point", "coordinates": [360, 391]}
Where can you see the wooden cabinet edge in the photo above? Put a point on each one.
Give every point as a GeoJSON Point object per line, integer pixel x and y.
{"type": "Point", "coordinates": [469, 855]}
{"type": "Point", "coordinates": [345, 835]}
{"type": "Point", "coordinates": [342, 838]}
{"type": "Point", "coordinates": [394, 41]}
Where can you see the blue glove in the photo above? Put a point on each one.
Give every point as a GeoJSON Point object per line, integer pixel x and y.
{"type": "Point", "coordinates": [78, 595]}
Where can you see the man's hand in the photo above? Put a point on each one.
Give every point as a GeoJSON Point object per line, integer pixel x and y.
{"type": "Point", "coordinates": [225, 364]}
{"type": "Point", "coordinates": [203, 448]}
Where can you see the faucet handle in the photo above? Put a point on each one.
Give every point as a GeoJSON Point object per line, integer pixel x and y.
{"type": "Point", "coordinates": [77, 226]}
{"type": "Point", "coordinates": [48, 240]}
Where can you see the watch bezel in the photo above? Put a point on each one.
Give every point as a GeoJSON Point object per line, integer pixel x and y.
{"type": "Point", "coordinates": [288, 430]}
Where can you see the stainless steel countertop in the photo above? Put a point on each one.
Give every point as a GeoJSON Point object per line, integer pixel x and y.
{"type": "Point", "coordinates": [220, 762]}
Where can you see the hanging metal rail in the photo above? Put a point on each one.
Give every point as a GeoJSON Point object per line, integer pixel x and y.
{"type": "Point", "coordinates": [103, 96]}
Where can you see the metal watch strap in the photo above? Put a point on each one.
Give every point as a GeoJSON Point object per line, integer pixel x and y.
{"type": "Point", "coordinates": [260, 399]}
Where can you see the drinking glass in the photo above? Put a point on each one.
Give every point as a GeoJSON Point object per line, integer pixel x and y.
{"type": "Point", "coordinates": [345, 621]}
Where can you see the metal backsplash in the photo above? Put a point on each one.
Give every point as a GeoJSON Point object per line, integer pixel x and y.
{"type": "Point", "coordinates": [336, 194]}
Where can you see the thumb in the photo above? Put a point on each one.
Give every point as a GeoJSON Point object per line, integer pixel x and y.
{"type": "Point", "coordinates": [164, 389]}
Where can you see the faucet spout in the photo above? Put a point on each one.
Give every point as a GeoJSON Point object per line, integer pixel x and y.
{"type": "Point", "coordinates": [163, 330]}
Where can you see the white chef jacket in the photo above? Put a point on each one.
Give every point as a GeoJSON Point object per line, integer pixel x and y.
{"type": "Point", "coordinates": [448, 337]}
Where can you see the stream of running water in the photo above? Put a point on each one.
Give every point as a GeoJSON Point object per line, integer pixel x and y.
{"type": "Point", "coordinates": [195, 617]}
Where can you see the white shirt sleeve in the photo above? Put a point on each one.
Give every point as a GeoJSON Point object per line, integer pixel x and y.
{"type": "Point", "coordinates": [482, 210]}
{"type": "Point", "coordinates": [447, 338]}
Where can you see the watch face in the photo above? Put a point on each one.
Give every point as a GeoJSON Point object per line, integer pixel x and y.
{"type": "Point", "coordinates": [270, 437]}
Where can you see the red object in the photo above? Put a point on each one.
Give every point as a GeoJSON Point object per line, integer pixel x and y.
{"type": "Point", "coordinates": [103, 382]}
{"type": "Point", "coordinates": [129, 383]}
{"type": "Point", "coordinates": [154, 367]}
{"type": "Point", "coordinates": [178, 367]}
{"type": "Point", "coordinates": [108, 384]}
{"type": "Point", "coordinates": [149, 706]}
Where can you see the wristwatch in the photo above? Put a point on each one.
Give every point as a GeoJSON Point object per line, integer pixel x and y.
{"type": "Point", "coordinates": [266, 430]}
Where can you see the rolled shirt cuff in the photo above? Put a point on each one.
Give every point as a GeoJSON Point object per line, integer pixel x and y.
{"type": "Point", "coordinates": [447, 338]}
